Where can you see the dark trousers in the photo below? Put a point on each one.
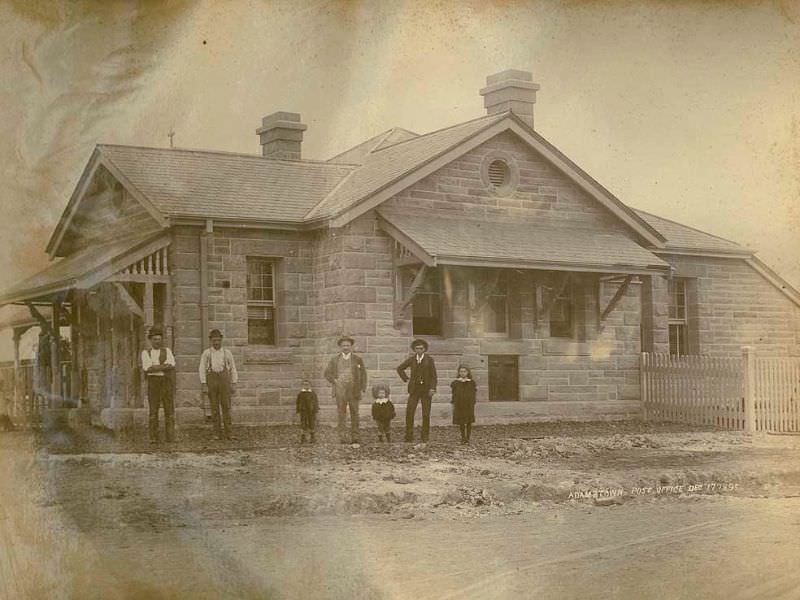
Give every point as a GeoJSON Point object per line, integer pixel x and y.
{"type": "Point", "coordinates": [159, 393]}
{"type": "Point", "coordinates": [347, 395]}
{"type": "Point", "coordinates": [384, 426]}
{"type": "Point", "coordinates": [219, 397]}
{"type": "Point", "coordinates": [415, 398]}
{"type": "Point", "coordinates": [308, 421]}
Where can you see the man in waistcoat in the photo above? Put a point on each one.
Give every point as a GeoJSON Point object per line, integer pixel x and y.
{"type": "Point", "coordinates": [158, 364]}
{"type": "Point", "coordinates": [348, 376]}
{"type": "Point", "coordinates": [421, 387]}
{"type": "Point", "coordinates": [218, 378]}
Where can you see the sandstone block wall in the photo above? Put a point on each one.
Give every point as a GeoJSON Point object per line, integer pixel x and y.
{"type": "Point", "coordinates": [735, 306]}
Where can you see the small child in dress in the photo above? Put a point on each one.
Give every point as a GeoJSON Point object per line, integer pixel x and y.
{"type": "Point", "coordinates": [382, 411]}
{"type": "Point", "coordinates": [463, 401]}
{"type": "Point", "coordinates": [307, 408]}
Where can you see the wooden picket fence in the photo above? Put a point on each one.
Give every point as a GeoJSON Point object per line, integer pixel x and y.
{"type": "Point", "coordinates": [739, 393]}
{"type": "Point", "coordinates": [699, 390]}
{"type": "Point", "coordinates": [777, 394]}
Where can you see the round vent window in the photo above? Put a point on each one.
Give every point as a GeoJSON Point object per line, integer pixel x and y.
{"type": "Point", "coordinates": [499, 173]}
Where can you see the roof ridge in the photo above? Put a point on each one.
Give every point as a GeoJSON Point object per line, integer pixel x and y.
{"type": "Point", "coordinates": [380, 135]}
{"type": "Point", "coordinates": [497, 116]}
{"type": "Point", "coordinates": [330, 193]}
{"type": "Point", "coordinates": [690, 227]}
{"type": "Point", "coordinates": [228, 153]}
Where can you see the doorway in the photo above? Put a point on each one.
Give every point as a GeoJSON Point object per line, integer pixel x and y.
{"type": "Point", "coordinates": [503, 378]}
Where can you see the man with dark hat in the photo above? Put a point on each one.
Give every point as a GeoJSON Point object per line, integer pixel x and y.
{"type": "Point", "coordinates": [421, 387]}
{"type": "Point", "coordinates": [348, 376]}
{"type": "Point", "coordinates": [218, 378]}
{"type": "Point", "coordinates": [158, 364]}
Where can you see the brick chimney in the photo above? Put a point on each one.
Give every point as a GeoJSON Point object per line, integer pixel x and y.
{"type": "Point", "coordinates": [511, 90]}
{"type": "Point", "coordinates": [281, 135]}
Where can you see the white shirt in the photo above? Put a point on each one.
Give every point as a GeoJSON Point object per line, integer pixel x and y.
{"type": "Point", "coordinates": [151, 357]}
{"type": "Point", "coordinates": [216, 361]}
{"type": "Point", "coordinates": [420, 357]}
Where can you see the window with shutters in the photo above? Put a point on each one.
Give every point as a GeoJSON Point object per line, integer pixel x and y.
{"type": "Point", "coordinates": [260, 301]}
{"type": "Point", "coordinates": [427, 305]}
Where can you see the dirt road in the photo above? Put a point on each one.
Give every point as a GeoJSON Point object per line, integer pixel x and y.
{"type": "Point", "coordinates": [526, 512]}
{"type": "Point", "coordinates": [711, 548]}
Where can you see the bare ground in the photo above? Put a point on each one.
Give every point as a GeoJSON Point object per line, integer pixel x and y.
{"type": "Point", "coordinates": [266, 517]}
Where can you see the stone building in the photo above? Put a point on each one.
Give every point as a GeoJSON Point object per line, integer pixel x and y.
{"type": "Point", "coordinates": [481, 237]}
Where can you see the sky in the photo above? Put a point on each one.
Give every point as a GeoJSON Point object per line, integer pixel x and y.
{"type": "Point", "coordinates": [689, 110]}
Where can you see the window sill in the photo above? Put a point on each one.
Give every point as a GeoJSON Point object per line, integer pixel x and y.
{"type": "Point", "coordinates": [566, 347]}
{"type": "Point", "coordinates": [268, 355]}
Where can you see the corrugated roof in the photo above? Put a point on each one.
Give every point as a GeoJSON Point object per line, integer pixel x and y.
{"type": "Point", "coordinates": [383, 167]}
{"type": "Point", "coordinates": [683, 237]}
{"type": "Point", "coordinates": [65, 273]}
{"type": "Point", "coordinates": [224, 185]}
{"type": "Point", "coordinates": [447, 238]}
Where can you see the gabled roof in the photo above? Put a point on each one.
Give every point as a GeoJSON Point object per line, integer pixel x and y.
{"type": "Point", "coordinates": [383, 167]}
{"type": "Point", "coordinates": [172, 182]}
{"type": "Point", "coordinates": [388, 171]}
{"type": "Point", "coordinates": [443, 240]}
{"type": "Point", "coordinates": [226, 185]}
{"type": "Point", "coordinates": [683, 237]}
{"type": "Point", "coordinates": [356, 154]}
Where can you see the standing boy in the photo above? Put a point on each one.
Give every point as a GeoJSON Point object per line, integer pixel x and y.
{"type": "Point", "coordinates": [158, 364]}
{"type": "Point", "coordinates": [421, 387]}
{"type": "Point", "coordinates": [218, 378]}
{"type": "Point", "coordinates": [348, 376]}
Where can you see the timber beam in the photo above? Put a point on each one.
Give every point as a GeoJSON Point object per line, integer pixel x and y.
{"type": "Point", "coordinates": [616, 298]}
{"type": "Point", "coordinates": [415, 285]}
{"type": "Point", "coordinates": [129, 300]}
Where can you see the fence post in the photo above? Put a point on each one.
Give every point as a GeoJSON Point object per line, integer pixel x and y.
{"type": "Point", "coordinates": [749, 384]}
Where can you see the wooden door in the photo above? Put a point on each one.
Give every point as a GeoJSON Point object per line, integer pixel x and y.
{"type": "Point", "coordinates": [503, 378]}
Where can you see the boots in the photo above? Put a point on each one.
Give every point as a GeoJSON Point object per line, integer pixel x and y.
{"type": "Point", "coordinates": [388, 437]}
{"type": "Point", "coordinates": [303, 438]}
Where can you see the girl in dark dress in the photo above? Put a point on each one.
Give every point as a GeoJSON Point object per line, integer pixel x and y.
{"type": "Point", "coordinates": [307, 408]}
{"type": "Point", "coordinates": [382, 411]}
{"type": "Point", "coordinates": [463, 401]}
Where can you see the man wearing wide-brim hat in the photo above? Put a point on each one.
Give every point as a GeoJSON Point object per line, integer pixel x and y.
{"type": "Point", "coordinates": [218, 379]}
{"type": "Point", "coordinates": [421, 387]}
{"type": "Point", "coordinates": [158, 364]}
{"type": "Point", "coordinates": [348, 376]}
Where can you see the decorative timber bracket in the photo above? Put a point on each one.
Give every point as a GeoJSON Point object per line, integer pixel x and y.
{"type": "Point", "coordinates": [415, 285]}
{"type": "Point", "coordinates": [43, 322]}
{"type": "Point", "coordinates": [612, 304]}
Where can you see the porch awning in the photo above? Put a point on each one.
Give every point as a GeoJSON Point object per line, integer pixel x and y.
{"type": "Point", "coordinates": [83, 269]}
{"type": "Point", "coordinates": [20, 316]}
{"type": "Point", "coordinates": [438, 240]}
